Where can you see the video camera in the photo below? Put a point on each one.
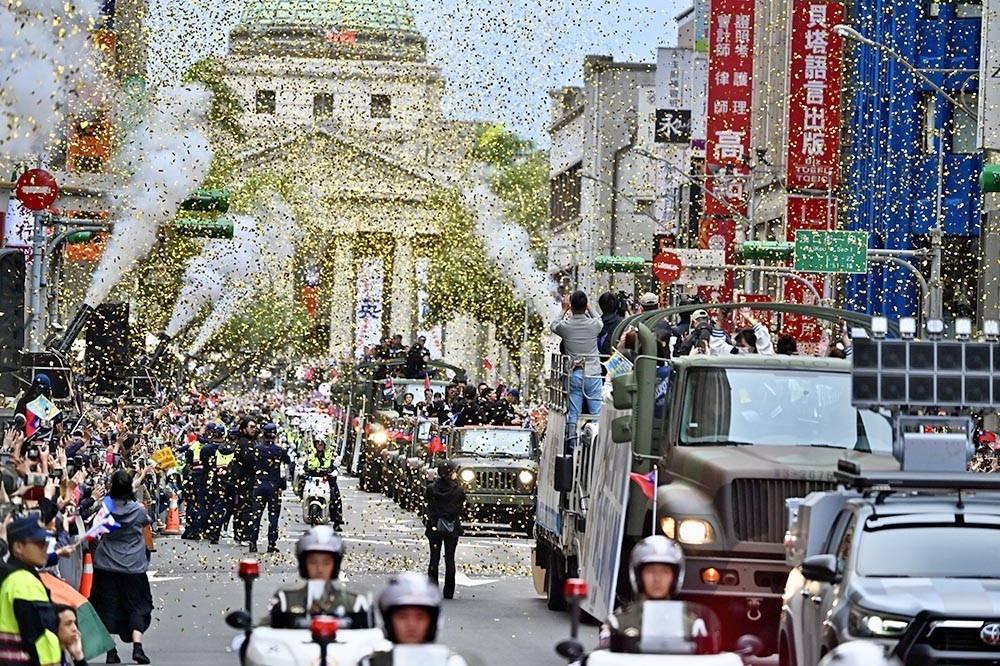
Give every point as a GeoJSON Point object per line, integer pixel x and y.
{"type": "Point", "coordinates": [625, 303]}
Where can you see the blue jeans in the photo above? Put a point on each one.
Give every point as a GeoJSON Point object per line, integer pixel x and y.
{"type": "Point", "coordinates": [583, 389]}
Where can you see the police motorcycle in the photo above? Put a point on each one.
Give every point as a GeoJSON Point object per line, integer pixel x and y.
{"type": "Point", "coordinates": [665, 638]}
{"type": "Point", "coordinates": [325, 641]}
{"type": "Point", "coordinates": [316, 495]}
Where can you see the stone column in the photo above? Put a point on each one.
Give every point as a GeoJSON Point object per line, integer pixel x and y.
{"type": "Point", "coordinates": [342, 297]}
{"type": "Point", "coordinates": [404, 292]}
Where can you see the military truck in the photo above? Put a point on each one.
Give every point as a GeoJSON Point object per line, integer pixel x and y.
{"type": "Point", "coordinates": [721, 442]}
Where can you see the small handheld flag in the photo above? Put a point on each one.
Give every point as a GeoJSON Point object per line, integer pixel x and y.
{"type": "Point", "coordinates": [646, 483]}
{"type": "Point", "coordinates": [104, 521]}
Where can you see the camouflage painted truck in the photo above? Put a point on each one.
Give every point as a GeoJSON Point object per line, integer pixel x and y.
{"type": "Point", "coordinates": [731, 438]}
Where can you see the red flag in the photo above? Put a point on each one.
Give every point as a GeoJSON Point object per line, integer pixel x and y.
{"type": "Point", "coordinates": [646, 482]}
{"type": "Point", "coordinates": [427, 382]}
{"type": "Point", "coordinates": [435, 445]}
{"type": "Point", "coordinates": [487, 364]}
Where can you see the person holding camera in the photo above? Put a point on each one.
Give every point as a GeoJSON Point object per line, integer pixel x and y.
{"type": "Point", "coordinates": [579, 331]}
{"type": "Point", "coordinates": [612, 314]}
{"type": "Point", "coordinates": [699, 336]}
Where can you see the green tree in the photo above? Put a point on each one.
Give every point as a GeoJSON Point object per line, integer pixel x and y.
{"type": "Point", "coordinates": [462, 279]}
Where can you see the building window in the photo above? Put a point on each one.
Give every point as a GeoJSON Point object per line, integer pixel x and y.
{"type": "Point", "coordinates": [381, 106]}
{"type": "Point", "coordinates": [965, 125]}
{"type": "Point", "coordinates": [962, 8]}
{"type": "Point", "coordinates": [323, 105]}
{"type": "Point", "coordinates": [264, 102]}
{"type": "Point", "coordinates": [564, 197]}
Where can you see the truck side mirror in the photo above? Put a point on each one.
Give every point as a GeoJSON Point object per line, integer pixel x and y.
{"type": "Point", "coordinates": [822, 568]}
{"type": "Point", "coordinates": [563, 477]}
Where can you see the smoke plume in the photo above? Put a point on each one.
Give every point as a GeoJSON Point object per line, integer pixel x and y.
{"type": "Point", "coordinates": [228, 273]}
{"type": "Point", "coordinates": [48, 62]}
{"type": "Point", "coordinates": [167, 158]}
{"type": "Point", "coordinates": [508, 246]}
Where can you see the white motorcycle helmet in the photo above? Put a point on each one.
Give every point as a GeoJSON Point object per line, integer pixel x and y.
{"type": "Point", "coordinates": [410, 589]}
{"type": "Point", "coordinates": [656, 549]}
{"type": "Point", "coordinates": [320, 539]}
{"type": "Point", "coordinates": [859, 653]}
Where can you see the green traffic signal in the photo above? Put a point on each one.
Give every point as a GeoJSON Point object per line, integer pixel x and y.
{"type": "Point", "coordinates": [989, 180]}
{"type": "Point", "coordinates": [768, 250]}
{"type": "Point", "coordinates": [627, 264]}
{"type": "Point", "coordinates": [207, 201]}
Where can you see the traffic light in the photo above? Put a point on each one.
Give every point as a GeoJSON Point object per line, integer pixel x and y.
{"type": "Point", "coordinates": [989, 180]}
{"type": "Point", "coordinates": [768, 250]}
{"type": "Point", "coordinates": [627, 264]}
{"type": "Point", "coordinates": [207, 201]}
{"type": "Point", "coordinates": [204, 227]}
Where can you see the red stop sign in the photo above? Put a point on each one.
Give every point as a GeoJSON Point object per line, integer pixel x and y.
{"type": "Point", "coordinates": [667, 267]}
{"type": "Point", "coordinates": [36, 189]}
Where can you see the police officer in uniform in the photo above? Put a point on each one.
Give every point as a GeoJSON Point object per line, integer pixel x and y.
{"type": "Point", "coordinates": [268, 459]}
{"type": "Point", "coordinates": [656, 571]}
{"type": "Point", "coordinates": [410, 609]}
{"type": "Point", "coordinates": [320, 553]}
{"type": "Point", "coordinates": [244, 479]}
{"type": "Point", "coordinates": [217, 456]}
{"type": "Point", "coordinates": [195, 490]}
{"type": "Point", "coordinates": [320, 458]}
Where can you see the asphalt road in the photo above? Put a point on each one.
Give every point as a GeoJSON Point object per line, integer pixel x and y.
{"type": "Point", "coordinates": [496, 617]}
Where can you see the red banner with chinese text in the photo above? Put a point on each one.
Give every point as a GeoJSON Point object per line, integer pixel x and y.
{"type": "Point", "coordinates": [730, 94]}
{"type": "Point", "coordinates": [814, 95]}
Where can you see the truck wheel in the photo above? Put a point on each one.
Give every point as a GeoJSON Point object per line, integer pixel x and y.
{"type": "Point", "coordinates": [555, 578]}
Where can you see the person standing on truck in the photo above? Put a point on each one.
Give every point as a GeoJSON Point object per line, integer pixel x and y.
{"type": "Point", "coordinates": [656, 571]}
{"type": "Point", "coordinates": [579, 332]}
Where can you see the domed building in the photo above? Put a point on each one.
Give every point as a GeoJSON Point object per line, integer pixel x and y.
{"type": "Point", "coordinates": [339, 96]}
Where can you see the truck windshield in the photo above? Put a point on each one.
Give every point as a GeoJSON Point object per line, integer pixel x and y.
{"type": "Point", "coordinates": [497, 442]}
{"type": "Point", "coordinates": [778, 407]}
{"type": "Point", "coordinates": [916, 551]}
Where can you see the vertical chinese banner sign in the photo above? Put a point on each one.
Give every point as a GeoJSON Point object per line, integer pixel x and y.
{"type": "Point", "coordinates": [727, 140]}
{"type": "Point", "coordinates": [432, 333]}
{"type": "Point", "coordinates": [371, 278]}
{"type": "Point", "coordinates": [813, 135]}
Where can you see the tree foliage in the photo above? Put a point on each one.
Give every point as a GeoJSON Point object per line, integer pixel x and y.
{"type": "Point", "coordinates": [462, 280]}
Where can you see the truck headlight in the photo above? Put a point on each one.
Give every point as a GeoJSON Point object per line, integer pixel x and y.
{"type": "Point", "coordinates": [872, 624]}
{"type": "Point", "coordinates": [380, 437]}
{"type": "Point", "coordinates": [688, 530]}
{"type": "Point", "coordinates": [526, 477]}
{"type": "Point", "coordinates": [467, 475]}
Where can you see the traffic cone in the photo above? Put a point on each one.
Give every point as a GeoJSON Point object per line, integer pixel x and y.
{"type": "Point", "coordinates": [87, 577]}
{"type": "Point", "coordinates": [173, 517]}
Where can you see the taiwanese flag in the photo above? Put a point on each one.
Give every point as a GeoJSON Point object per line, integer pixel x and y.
{"type": "Point", "coordinates": [435, 445]}
{"type": "Point", "coordinates": [646, 482]}
{"type": "Point", "coordinates": [96, 639]}
{"type": "Point", "coordinates": [389, 391]}
{"type": "Point", "coordinates": [487, 364]}
{"type": "Point", "coordinates": [38, 410]}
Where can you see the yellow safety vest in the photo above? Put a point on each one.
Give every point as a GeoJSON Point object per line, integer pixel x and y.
{"type": "Point", "coordinates": [21, 584]}
{"type": "Point", "coordinates": [223, 460]}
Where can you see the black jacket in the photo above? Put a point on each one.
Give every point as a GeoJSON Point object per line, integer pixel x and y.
{"type": "Point", "coordinates": [445, 499]}
{"type": "Point", "coordinates": [605, 343]}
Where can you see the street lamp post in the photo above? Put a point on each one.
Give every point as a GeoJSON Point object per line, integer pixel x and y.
{"type": "Point", "coordinates": [934, 305]}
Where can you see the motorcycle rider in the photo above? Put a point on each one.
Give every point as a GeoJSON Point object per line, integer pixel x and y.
{"type": "Point", "coordinates": [321, 459]}
{"type": "Point", "coordinates": [410, 610]}
{"type": "Point", "coordinates": [656, 571]}
{"type": "Point", "coordinates": [320, 553]}
{"type": "Point", "coordinates": [268, 459]}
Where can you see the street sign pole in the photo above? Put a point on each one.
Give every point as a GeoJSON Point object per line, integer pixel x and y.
{"type": "Point", "coordinates": [36, 331]}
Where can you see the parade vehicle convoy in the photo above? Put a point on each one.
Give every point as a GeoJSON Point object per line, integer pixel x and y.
{"type": "Point", "coordinates": [731, 438]}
